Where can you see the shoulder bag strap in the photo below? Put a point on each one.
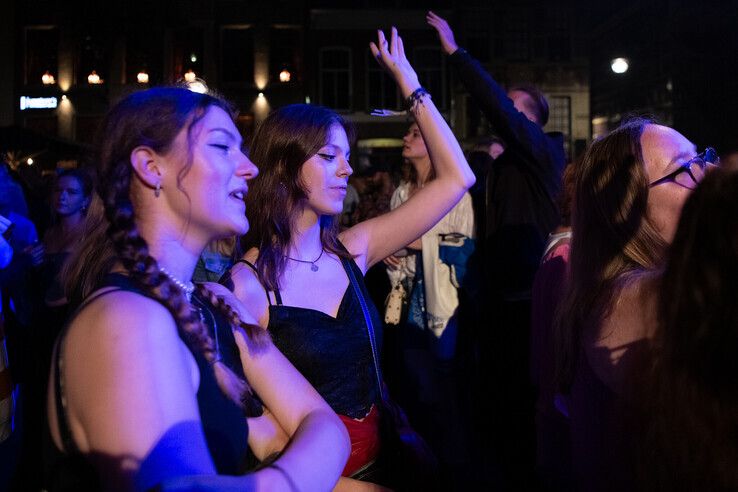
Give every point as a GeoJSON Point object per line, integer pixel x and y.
{"type": "Point", "coordinates": [368, 322]}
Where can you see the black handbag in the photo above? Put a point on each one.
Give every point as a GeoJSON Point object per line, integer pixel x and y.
{"type": "Point", "coordinates": [406, 459]}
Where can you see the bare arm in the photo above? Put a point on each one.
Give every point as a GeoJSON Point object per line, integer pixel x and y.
{"type": "Point", "coordinates": [130, 387]}
{"type": "Point", "coordinates": [129, 381]}
{"type": "Point", "coordinates": [381, 236]}
{"type": "Point", "coordinates": [319, 445]}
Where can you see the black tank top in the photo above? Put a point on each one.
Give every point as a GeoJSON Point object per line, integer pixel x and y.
{"type": "Point", "coordinates": [224, 423]}
{"type": "Point", "coordinates": [333, 354]}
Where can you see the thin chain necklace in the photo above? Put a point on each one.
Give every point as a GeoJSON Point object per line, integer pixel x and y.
{"type": "Point", "coordinates": [313, 265]}
{"type": "Point", "coordinates": [187, 287]}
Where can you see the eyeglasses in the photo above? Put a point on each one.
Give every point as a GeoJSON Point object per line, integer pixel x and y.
{"type": "Point", "coordinates": [691, 172]}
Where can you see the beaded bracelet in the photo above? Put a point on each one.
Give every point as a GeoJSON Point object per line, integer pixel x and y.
{"type": "Point", "coordinates": [412, 101]}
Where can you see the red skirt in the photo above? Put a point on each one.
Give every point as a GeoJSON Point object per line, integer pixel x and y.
{"type": "Point", "coordinates": [364, 436]}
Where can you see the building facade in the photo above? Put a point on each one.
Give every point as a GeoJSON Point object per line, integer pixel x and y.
{"type": "Point", "coordinates": [69, 62]}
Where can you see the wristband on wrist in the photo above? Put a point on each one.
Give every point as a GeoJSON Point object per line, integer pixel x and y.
{"type": "Point", "coordinates": [416, 98]}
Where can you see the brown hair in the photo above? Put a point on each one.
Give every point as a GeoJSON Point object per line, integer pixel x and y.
{"type": "Point", "coordinates": [409, 173]}
{"type": "Point", "coordinates": [151, 118]}
{"type": "Point", "coordinates": [612, 236]}
{"type": "Point", "coordinates": [285, 140]}
{"type": "Point", "coordinates": [691, 394]}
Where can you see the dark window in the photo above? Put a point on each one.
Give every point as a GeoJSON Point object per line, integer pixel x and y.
{"type": "Point", "coordinates": [429, 64]}
{"type": "Point", "coordinates": [237, 55]}
{"type": "Point", "coordinates": [284, 53]}
{"type": "Point", "coordinates": [335, 78]}
{"type": "Point", "coordinates": [559, 119]}
{"type": "Point", "coordinates": [144, 52]}
{"type": "Point", "coordinates": [381, 90]}
{"type": "Point", "coordinates": [188, 52]}
{"type": "Point", "coordinates": [42, 45]}
{"type": "Point", "coordinates": [93, 56]}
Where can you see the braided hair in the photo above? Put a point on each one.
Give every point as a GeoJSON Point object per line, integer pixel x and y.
{"type": "Point", "coordinates": [154, 118]}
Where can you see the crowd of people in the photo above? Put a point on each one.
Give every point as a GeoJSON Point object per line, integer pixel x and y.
{"type": "Point", "coordinates": [194, 318]}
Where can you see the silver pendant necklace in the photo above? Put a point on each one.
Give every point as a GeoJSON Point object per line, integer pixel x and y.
{"type": "Point", "coordinates": [313, 264]}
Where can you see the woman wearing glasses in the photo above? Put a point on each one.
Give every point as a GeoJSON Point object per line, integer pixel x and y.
{"type": "Point", "coordinates": [629, 192]}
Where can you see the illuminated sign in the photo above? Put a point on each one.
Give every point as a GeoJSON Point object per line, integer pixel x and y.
{"type": "Point", "coordinates": [38, 102]}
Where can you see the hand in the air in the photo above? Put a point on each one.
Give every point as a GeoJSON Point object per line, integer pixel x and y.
{"type": "Point", "coordinates": [445, 34]}
{"type": "Point", "coordinates": [391, 57]}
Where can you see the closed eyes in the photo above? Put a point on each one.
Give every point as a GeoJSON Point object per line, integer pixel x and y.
{"type": "Point", "coordinates": [224, 148]}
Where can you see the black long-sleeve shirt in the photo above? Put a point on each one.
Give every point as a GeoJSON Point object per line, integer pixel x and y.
{"type": "Point", "coordinates": [521, 186]}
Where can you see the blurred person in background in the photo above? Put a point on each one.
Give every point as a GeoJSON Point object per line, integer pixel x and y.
{"type": "Point", "coordinates": [521, 191]}
{"type": "Point", "coordinates": [428, 327]}
{"type": "Point", "coordinates": [553, 446]}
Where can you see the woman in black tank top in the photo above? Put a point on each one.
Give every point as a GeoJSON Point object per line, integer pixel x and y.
{"type": "Point", "coordinates": [301, 260]}
{"type": "Point", "coordinates": [153, 377]}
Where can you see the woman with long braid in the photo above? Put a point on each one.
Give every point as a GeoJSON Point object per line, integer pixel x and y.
{"type": "Point", "coordinates": [148, 386]}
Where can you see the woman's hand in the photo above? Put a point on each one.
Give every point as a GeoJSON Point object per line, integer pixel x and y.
{"type": "Point", "coordinates": [391, 57]}
{"type": "Point", "coordinates": [35, 252]}
{"type": "Point", "coordinates": [445, 34]}
{"type": "Point", "coordinates": [392, 262]}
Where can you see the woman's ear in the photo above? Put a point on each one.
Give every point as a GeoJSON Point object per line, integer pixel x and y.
{"type": "Point", "coordinates": [147, 165]}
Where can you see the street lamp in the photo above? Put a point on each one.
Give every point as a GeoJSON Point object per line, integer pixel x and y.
{"type": "Point", "coordinates": [619, 65]}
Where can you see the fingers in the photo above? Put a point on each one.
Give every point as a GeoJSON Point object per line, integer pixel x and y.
{"type": "Point", "coordinates": [382, 43]}
{"type": "Point", "coordinates": [393, 41]}
{"type": "Point", "coordinates": [375, 50]}
{"type": "Point", "coordinates": [392, 261]}
{"type": "Point", "coordinates": [438, 23]}
{"type": "Point", "coordinates": [401, 48]}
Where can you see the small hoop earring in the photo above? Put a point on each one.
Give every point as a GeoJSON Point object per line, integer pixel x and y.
{"type": "Point", "coordinates": [157, 191]}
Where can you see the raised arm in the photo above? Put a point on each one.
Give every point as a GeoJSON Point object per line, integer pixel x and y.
{"type": "Point", "coordinates": [509, 123]}
{"type": "Point", "coordinates": [381, 236]}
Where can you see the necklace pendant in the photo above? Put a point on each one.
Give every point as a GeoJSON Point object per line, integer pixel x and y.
{"type": "Point", "coordinates": [314, 267]}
